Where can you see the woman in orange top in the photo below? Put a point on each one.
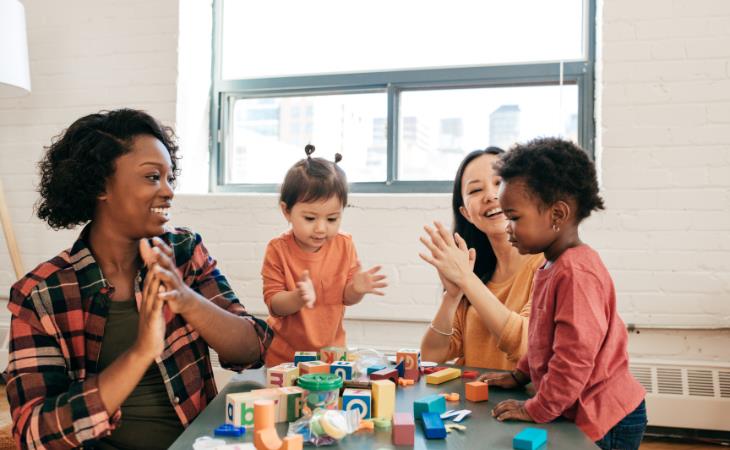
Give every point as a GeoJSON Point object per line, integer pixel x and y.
{"type": "Point", "coordinates": [486, 326]}
{"type": "Point", "coordinates": [311, 272]}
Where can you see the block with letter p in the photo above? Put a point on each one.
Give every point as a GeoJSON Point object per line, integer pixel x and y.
{"type": "Point", "coordinates": [359, 399]}
{"type": "Point", "coordinates": [412, 360]}
{"type": "Point", "coordinates": [342, 368]}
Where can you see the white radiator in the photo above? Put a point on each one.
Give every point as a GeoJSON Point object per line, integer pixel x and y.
{"type": "Point", "coordinates": [685, 394]}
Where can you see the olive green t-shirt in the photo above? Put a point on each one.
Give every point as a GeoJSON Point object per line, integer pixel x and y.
{"type": "Point", "coordinates": [148, 418]}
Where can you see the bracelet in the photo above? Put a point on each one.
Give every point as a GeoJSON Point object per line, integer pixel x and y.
{"type": "Point", "coordinates": [441, 332]}
{"type": "Point", "coordinates": [514, 377]}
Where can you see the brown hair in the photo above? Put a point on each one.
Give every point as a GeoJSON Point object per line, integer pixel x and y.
{"type": "Point", "coordinates": [312, 179]}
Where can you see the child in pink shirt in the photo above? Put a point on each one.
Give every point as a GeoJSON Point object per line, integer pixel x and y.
{"type": "Point", "coordinates": [577, 357]}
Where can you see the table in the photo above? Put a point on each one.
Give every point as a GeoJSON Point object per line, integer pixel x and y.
{"type": "Point", "coordinates": [483, 431]}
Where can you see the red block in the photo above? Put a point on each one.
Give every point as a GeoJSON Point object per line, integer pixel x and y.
{"type": "Point", "coordinates": [404, 429]}
{"type": "Point", "coordinates": [469, 374]}
{"type": "Point", "coordinates": [385, 374]}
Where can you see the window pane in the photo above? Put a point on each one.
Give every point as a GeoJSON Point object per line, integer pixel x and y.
{"type": "Point", "coordinates": [268, 135]}
{"type": "Point", "coordinates": [438, 128]}
{"type": "Point", "coordinates": [293, 37]}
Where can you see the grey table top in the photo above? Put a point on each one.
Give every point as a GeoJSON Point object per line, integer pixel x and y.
{"type": "Point", "coordinates": [483, 431]}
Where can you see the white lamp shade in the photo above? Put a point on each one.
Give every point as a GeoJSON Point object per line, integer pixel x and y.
{"type": "Point", "coordinates": [14, 70]}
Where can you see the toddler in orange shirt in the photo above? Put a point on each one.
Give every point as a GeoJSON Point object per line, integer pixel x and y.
{"type": "Point", "coordinates": [311, 272]}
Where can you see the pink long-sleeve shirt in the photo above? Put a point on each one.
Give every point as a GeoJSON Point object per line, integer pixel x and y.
{"type": "Point", "coordinates": [577, 356]}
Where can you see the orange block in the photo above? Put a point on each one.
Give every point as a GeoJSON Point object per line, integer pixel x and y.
{"type": "Point", "coordinates": [476, 391]}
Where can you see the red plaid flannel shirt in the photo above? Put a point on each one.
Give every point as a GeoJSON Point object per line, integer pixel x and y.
{"type": "Point", "coordinates": [59, 311]}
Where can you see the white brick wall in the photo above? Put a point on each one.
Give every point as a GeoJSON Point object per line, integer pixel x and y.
{"type": "Point", "coordinates": [664, 153]}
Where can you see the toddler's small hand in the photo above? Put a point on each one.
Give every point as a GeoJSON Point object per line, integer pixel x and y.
{"type": "Point", "coordinates": [369, 282]}
{"type": "Point", "coordinates": [306, 290]}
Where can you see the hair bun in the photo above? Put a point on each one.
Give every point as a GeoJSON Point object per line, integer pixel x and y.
{"type": "Point", "coordinates": [338, 158]}
{"type": "Point", "coordinates": [309, 149]}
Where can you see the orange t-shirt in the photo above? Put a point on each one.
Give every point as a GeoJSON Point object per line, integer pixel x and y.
{"type": "Point", "coordinates": [330, 269]}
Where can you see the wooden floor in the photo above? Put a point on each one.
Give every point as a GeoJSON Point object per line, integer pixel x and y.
{"type": "Point", "coordinates": [649, 443]}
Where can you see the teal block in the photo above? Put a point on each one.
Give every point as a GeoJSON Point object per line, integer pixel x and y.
{"type": "Point", "coordinates": [431, 403]}
{"type": "Point", "coordinates": [530, 439]}
{"type": "Point", "coordinates": [375, 368]}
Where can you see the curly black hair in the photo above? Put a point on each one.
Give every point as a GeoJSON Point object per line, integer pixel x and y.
{"type": "Point", "coordinates": [554, 169]}
{"type": "Point", "coordinates": [312, 179]}
{"type": "Point", "coordinates": [76, 166]}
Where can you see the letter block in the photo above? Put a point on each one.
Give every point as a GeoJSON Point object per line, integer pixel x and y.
{"type": "Point", "coordinates": [412, 358]}
{"type": "Point", "coordinates": [282, 375]}
{"type": "Point", "coordinates": [300, 357]}
{"type": "Point", "coordinates": [358, 399]}
{"type": "Point", "coordinates": [332, 354]}
{"type": "Point", "coordinates": [342, 368]}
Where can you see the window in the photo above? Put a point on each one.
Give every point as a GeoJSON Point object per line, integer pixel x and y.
{"type": "Point", "coordinates": [403, 90]}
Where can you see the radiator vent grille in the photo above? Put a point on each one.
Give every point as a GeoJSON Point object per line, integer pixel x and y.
{"type": "Point", "coordinates": [669, 380]}
{"type": "Point", "coordinates": [700, 383]}
{"type": "Point", "coordinates": [724, 377]}
{"type": "Point", "coordinates": [683, 381]}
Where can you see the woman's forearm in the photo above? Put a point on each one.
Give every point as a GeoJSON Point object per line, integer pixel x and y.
{"type": "Point", "coordinates": [434, 344]}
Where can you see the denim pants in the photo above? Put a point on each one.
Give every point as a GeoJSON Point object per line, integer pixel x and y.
{"type": "Point", "coordinates": [627, 434]}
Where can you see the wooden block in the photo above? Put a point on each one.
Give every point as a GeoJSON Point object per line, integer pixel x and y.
{"type": "Point", "coordinates": [385, 374]}
{"type": "Point", "coordinates": [476, 391]}
{"type": "Point", "coordinates": [470, 374]}
{"type": "Point", "coordinates": [306, 367]}
{"type": "Point", "coordinates": [404, 429]}
{"type": "Point", "coordinates": [433, 426]}
{"type": "Point", "coordinates": [431, 403]}
{"type": "Point", "coordinates": [530, 439]}
{"type": "Point", "coordinates": [300, 357]}
{"type": "Point", "coordinates": [265, 435]}
{"type": "Point", "coordinates": [412, 360]}
{"type": "Point", "coordinates": [282, 375]}
{"type": "Point", "coordinates": [287, 401]}
{"type": "Point", "coordinates": [332, 354]}
{"type": "Point", "coordinates": [375, 368]}
{"type": "Point", "coordinates": [342, 368]}
{"type": "Point", "coordinates": [291, 403]}
{"type": "Point", "coordinates": [357, 399]}
{"type": "Point", "coordinates": [430, 370]}
{"type": "Point", "coordinates": [443, 376]}
{"type": "Point", "coordinates": [383, 398]}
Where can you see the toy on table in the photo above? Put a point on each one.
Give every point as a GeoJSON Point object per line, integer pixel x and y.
{"type": "Point", "coordinates": [345, 369]}
{"type": "Point", "coordinates": [443, 376]}
{"type": "Point", "coordinates": [282, 375]}
{"type": "Point", "coordinates": [403, 382]}
{"type": "Point", "coordinates": [332, 354]}
{"type": "Point", "coordinates": [374, 368]}
{"type": "Point", "coordinates": [433, 426]}
{"type": "Point", "coordinates": [404, 429]}
{"type": "Point", "coordinates": [359, 400]}
{"type": "Point", "coordinates": [412, 362]}
{"type": "Point", "coordinates": [452, 426]}
{"type": "Point", "coordinates": [430, 370]}
{"type": "Point", "coordinates": [229, 430]}
{"type": "Point", "coordinates": [383, 396]}
{"type": "Point", "coordinates": [385, 374]}
{"type": "Point", "coordinates": [382, 423]}
{"type": "Point", "coordinates": [469, 374]}
{"type": "Point", "coordinates": [456, 415]}
{"type": "Point", "coordinates": [431, 403]}
{"type": "Point", "coordinates": [300, 357]}
{"type": "Point", "coordinates": [326, 426]}
{"type": "Point", "coordinates": [288, 405]}
{"type": "Point", "coordinates": [317, 366]}
{"type": "Point", "coordinates": [264, 430]}
{"type": "Point", "coordinates": [476, 391]}
{"type": "Point", "coordinates": [323, 390]}
{"type": "Point", "coordinates": [530, 439]}
{"type": "Point", "coordinates": [451, 396]}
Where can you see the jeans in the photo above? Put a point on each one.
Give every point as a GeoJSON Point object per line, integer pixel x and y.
{"type": "Point", "coordinates": [627, 434]}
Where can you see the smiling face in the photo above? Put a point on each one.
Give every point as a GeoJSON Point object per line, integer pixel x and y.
{"type": "Point", "coordinates": [313, 223]}
{"type": "Point", "coordinates": [529, 228]}
{"type": "Point", "coordinates": [479, 187]}
{"type": "Point", "coordinates": [139, 193]}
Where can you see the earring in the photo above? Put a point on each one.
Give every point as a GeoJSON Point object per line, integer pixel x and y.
{"type": "Point", "coordinates": [556, 228]}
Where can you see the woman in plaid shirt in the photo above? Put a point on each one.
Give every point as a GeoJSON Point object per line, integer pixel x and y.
{"type": "Point", "coordinates": [105, 353]}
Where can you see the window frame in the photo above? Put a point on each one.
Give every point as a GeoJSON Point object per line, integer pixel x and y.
{"type": "Point", "coordinates": [393, 83]}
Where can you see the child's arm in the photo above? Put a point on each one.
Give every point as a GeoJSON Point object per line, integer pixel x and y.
{"type": "Point", "coordinates": [581, 324]}
{"type": "Point", "coordinates": [368, 282]}
{"type": "Point", "coordinates": [285, 303]}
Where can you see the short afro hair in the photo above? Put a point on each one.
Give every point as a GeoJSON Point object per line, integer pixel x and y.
{"type": "Point", "coordinates": [554, 169]}
{"type": "Point", "coordinates": [76, 166]}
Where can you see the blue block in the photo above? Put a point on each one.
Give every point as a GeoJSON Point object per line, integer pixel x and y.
{"type": "Point", "coordinates": [530, 439]}
{"type": "Point", "coordinates": [433, 426]}
{"type": "Point", "coordinates": [342, 368]}
{"type": "Point", "coordinates": [229, 430]}
{"type": "Point", "coordinates": [401, 368]}
{"type": "Point", "coordinates": [375, 368]}
{"type": "Point", "coordinates": [431, 403]}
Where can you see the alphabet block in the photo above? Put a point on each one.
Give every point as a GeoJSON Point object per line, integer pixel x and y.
{"type": "Point", "coordinates": [412, 358]}
{"type": "Point", "coordinates": [342, 368]}
{"type": "Point", "coordinates": [300, 357]}
{"type": "Point", "coordinates": [358, 399]}
{"type": "Point", "coordinates": [282, 375]}
{"type": "Point", "coordinates": [332, 354]}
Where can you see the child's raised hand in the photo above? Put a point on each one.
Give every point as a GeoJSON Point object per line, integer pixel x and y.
{"type": "Point", "coordinates": [368, 282]}
{"type": "Point", "coordinates": [511, 410]}
{"type": "Point", "coordinates": [449, 254]}
{"type": "Point", "coordinates": [306, 290]}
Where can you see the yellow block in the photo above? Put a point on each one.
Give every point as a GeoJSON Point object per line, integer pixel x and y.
{"type": "Point", "coordinates": [383, 398]}
{"type": "Point", "coordinates": [443, 376]}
